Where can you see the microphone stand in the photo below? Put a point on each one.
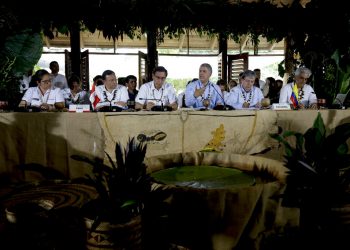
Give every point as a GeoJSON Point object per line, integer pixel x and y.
{"type": "Point", "coordinates": [226, 107]}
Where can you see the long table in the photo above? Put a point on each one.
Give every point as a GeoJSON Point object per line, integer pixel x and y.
{"type": "Point", "coordinates": [49, 139]}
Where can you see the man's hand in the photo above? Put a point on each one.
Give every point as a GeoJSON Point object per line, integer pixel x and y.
{"type": "Point", "coordinates": [313, 106]}
{"type": "Point", "coordinates": [22, 104]}
{"type": "Point", "coordinates": [301, 106]}
{"type": "Point", "coordinates": [150, 105]}
{"type": "Point", "coordinates": [199, 92]}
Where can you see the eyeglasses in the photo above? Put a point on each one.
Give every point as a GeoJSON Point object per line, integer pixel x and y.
{"type": "Point", "coordinates": [303, 78]}
{"type": "Point", "coordinates": [160, 77]}
{"type": "Point", "coordinates": [46, 81]}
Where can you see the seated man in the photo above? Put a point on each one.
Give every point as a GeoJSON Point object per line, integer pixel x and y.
{"type": "Point", "coordinates": [130, 82]}
{"type": "Point", "coordinates": [157, 94]}
{"type": "Point", "coordinates": [299, 94]}
{"type": "Point", "coordinates": [42, 97]}
{"type": "Point", "coordinates": [110, 94]}
{"type": "Point", "coordinates": [203, 93]}
{"type": "Point", "coordinates": [246, 95]}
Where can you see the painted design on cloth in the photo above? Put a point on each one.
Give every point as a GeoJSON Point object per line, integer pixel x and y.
{"type": "Point", "coordinates": [152, 136]}
{"type": "Point", "coordinates": [216, 143]}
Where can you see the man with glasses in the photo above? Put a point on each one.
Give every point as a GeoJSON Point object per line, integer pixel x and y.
{"type": "Point", "coordinates": [299, 94]}
{"type": "Point", "coordinates": [157, 95]}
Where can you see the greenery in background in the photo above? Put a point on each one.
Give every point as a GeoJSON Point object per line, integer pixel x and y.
{"type": "Point", "coordinates": [180, 84]}
{"type": "Point", "coordinates": [315, 39]}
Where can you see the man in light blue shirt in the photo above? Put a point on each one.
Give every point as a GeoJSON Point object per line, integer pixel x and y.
{"type": "Point", "coordinates": [203, 93]}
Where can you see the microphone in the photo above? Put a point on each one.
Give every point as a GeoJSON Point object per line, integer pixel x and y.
{"type": "Point", "coordinates": [224, 106]}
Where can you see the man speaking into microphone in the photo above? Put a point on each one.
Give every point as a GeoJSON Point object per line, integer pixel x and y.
{"type": "Point", "coordinates": [157, 94]}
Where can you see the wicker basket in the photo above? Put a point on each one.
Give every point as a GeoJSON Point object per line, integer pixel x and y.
{"type": "Point", "coordinates": [115, 236]}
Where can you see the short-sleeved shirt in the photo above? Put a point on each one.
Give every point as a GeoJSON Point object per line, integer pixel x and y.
{"type": "Point", "coordinates": [59, 81]}
{"type": "Point", "coordinates": [238, 96]}
{"type": "Point", "coordinates": [166, 95]}
{"type": "Point", "coordinates": [119, 94]}
{"type": "Point", "coordinates": [212, 92]}
{"type": "Point", "coordinates": [33, 96]}
{"type": "Point", "coordinates": [306, 96]}
{"type": "Point", "coordinates": [81, 97]}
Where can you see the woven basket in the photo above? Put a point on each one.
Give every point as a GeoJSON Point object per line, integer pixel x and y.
{"type": "Point", "coordinates": [115, 236]}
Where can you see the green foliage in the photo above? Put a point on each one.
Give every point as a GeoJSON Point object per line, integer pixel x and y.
{"type": "Point", "coordinates": [319, 165]}
{"type": "Point", "coordinates": [122, 186]}
{"type": "Point", "coordinates": [7, 79]}
{"type": "Point", "coordinates": [343, 71]}
{"type": "Point", "coordinates": [179, 84]}
{"type": "Point", "coordinates": [19, 53]}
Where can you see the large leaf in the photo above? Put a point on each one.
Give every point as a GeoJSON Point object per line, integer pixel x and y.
{"type": "Point", "coordinates": [204, 177]}
{"type": "Point", "coordinates": [26, 47]}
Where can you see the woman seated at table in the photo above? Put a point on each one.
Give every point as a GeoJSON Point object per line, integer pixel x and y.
{"type": "Point", "coordinates": [74, 94]}
{"type": "Point", "coordinates": [43, 96]}
{"type": "Point", "coordinates": [245, 95]}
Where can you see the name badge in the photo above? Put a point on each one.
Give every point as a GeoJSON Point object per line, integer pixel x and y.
{"type": "Point", "coordinates": [79, 108]}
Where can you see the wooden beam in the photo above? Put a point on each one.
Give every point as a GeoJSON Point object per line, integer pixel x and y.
{"type": "Point", "coordinates": [181, 42]}
{"type": "Point", "coordinates": [213, 42]}
{"type": "Point", "coordinates": [82, 45]}
{"type": "Point", "coordinates": [271, 46]}
{"type": "Point", "coordinates": [243, 42]}
{"type": "Point", "coordinates": [47, 42]}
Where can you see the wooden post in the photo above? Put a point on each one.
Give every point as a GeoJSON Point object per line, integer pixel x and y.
{"type": "Point", "coordinates": [223, 50]}
{"type": "Point", "coordinates": [288, 57]}
{"type": "Point", "coordinates": [152, 54]}
{"type": "Point", "coordinates": [75, 49]}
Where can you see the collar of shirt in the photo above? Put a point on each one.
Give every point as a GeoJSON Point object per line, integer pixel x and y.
{"type": "Point", "coordinates": [154, 88]}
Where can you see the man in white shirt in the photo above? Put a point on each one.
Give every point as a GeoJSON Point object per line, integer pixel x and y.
{"type": "Point", "coordinates": [110, 94]}
{"type": "Point", "coordinates": [258, 76]}
{"type": "Point", "coordinates": [157, 93]}
{"type": "Point", "coordinates": [246, 95]}
{"type": "Point", "coordinates": [306, 97]}
{"type": "Point", "coordinates": [58, 80]}
{"type": "Point", "coordinates": [24, 82]}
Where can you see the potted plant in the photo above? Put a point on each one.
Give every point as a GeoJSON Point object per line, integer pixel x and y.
{"type": "Point", "coordinates": [318, 180]}
{"type": "Point", "coordinates": [114, 218]}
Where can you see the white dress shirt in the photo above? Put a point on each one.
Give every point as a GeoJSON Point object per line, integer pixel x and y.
{"type": "Point", "coordinates": [59, 81]}
{"type": "Point", "coordinates": [166, 95]}
{"type": "Point", "coordinates": [307, 95]}
{"type": "Point", "coordinates": [238, 96]}
{"type": "Point", "coordinates": [34, 97]}
{"type": "Point", "coordinates": [24, 83]}
{"type": "Point", "coordinates": [119, 94]}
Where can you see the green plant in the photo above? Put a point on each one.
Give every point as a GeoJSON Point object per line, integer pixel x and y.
{"type": "Point", "coordinates": [318, 163]}
{"type": "Point", "coordinates": [122, 187]}
{"type": "Point", "coordinates": [19, 53]}
{"type": "Point", "coordinates": [343, 70]}
{"type": "Point", "coordinates": [319, 175]}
